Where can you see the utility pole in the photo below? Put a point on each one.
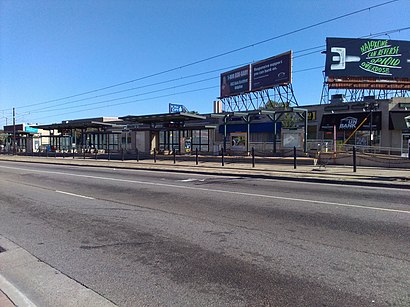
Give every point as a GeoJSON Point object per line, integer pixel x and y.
{"type": "Point", "coordinates": [14, 131]}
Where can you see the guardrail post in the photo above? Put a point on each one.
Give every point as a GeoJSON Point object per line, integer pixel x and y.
{"type": "Point", "coordinates": [223, 158]}
{"type": "Point", "coordinates": [122, 154]}
{"type": "Point", "coordinates": [175, 156]}
{"type": "Point", "coordinates": [138, 155]}
{"type": "Point", "coordinates": [155, 155]}
{"type": "Point", "coordinates": [294, 157]}
{"type": "Point", "coordinates": [196, 156]}
{"type": "Point", "coordinates": [354, 159]}
{"type": "Point", "coordinates": [253, 157]}
{"type": "Point", "coordinates": [63, 154]}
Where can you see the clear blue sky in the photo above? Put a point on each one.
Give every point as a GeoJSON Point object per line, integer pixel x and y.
{"type": "Point", "coordinates": [51, 49]}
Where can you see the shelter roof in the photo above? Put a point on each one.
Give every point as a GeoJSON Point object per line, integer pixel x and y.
{"type": "Point", "coordinates": [162, 118]}
{"type": "Point", "coordinates": [83, 124]}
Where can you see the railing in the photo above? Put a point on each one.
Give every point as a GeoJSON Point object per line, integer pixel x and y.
{"type": "Point", "coordinates": [391, 151]}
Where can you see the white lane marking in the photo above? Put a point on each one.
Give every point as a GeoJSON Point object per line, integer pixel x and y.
{"type": "Point", "coordinates": [72, 194]}
{"type": "Point", "coordinates": [191, 179]}
{"type": "Point", "coordinates": [217, 191]}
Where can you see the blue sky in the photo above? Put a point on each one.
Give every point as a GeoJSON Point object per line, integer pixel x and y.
{"type": "Point", "coordinates": [54, 49]}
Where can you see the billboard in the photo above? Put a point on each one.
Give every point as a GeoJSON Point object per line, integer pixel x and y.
{"type": "Point", "coordinates": [261, 75]}
{"type": "Point", "coordinates": [272, 72]}
{"type": "Point", "coordinates": [235, 82]}
{"type": "Point", "coordinates": [367, 58]}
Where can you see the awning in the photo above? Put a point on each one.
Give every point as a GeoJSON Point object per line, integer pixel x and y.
{"type": "Point", "coordinates": [396, 121]}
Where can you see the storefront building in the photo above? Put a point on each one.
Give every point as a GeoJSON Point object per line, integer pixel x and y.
{"type": "Point", "coordinates": [377, 123]}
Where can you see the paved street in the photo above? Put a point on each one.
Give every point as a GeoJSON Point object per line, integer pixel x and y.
{"type": "Point", "coordinates": [139, 237]}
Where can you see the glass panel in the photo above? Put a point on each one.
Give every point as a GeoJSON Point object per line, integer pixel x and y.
{"type": "Point", "coordinates": [162, 137]}
{"type": "Point", "coordinates": [205, 137]}
{"type": "Point", "coordinates": [204, 148]}
{"type": "Point", "coordinates": [196, 136]}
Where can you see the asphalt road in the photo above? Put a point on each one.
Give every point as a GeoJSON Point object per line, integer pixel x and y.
{"type": "Point", "coordinates": [157, 238]}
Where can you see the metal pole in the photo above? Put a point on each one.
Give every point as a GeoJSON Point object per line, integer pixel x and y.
{"type": "Point", "coordinates": [248, 133]}
{"type": "Point", "coordinates": [174, 154]}
{"type": "Point", "coordinates": [138, 155]}
{"type": "Point", "coordinates": [14, 131]}
{"type": "Point", "coordinates": [155, 155]}
{"type": "Point", "coordinates": [225, 122]}
{"type": "Point", "coordinates": [371, 126]}
{"type": "Point", "coordinates": [223, 162]}
{"type": "Point", "coordinates": [306, 132]}
{"type": "Point", "coordinates": [253, 157]}
{"type": "Point", "coordinates": [122, 154]}
{"type": "Point", "coordinates": [354, 159]}
{"type": "Point", "coordinates": [196, 156]}
{"type": "Point", "coordinates": [294, 157]}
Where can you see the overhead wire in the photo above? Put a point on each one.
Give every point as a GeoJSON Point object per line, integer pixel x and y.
{"type": "Point", "coordinates": [45, 109]}
{"type": "Point", "coordinates": [158, 97]}
{"type": "Point", "coordinates": [218, 55]}
{"type": "Point", "coordinates": [203, 80]}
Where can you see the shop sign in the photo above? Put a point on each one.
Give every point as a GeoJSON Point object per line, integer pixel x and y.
{"type": "Point", "coordinates": [30, 129]}
{"type": "Point", "coordinates": [312, 115]}
{"type": "Point", "coordinates": [348, 123]}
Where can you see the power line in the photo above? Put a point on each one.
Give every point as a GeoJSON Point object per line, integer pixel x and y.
{"type": "Point", "coordinates": [158, 97]}
{"type": "Point", "coordinates": [224, 53]}
{"type": "Point", "coordinates": [132, 96]}
{"type": "Point", "coordinates": [195, 82]}
{"type": "Point", "coordinates": [138, 100]}
{"type": "Point", "coordinates": [140, 87]}
{"type": "Point", "coordinates": [198, 74]}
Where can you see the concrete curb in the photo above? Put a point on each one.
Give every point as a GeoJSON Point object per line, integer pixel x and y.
{"type": "Point", "coordinates": [301, 176]}
{"type": "Point", "coordinates": [16, 297]}
{"type": "Point", "coordinates": [28, 281]}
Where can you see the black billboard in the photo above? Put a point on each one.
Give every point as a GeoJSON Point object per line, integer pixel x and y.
{"type": "Point", "coordinates": [235, 82]}
{"type": "Point", "coordinates": [272, 72]}
{"type": "Point", "coordinates": [350, 121]}
{"type": "Point", "coordinates": [374, 58]}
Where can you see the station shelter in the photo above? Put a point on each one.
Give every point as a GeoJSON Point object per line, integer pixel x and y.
{"type": "Point", "coordinates": [182, 132]}
{"type": "Point", "coordinates": [85, 135]}
{"type": "Point", "coordinates": [26, 138]}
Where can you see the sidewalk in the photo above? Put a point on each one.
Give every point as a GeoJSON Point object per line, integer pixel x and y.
{"type": "Point", "coordinates": [5, 301]}
{"type": "Point", "coordinates": [264, 168]}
